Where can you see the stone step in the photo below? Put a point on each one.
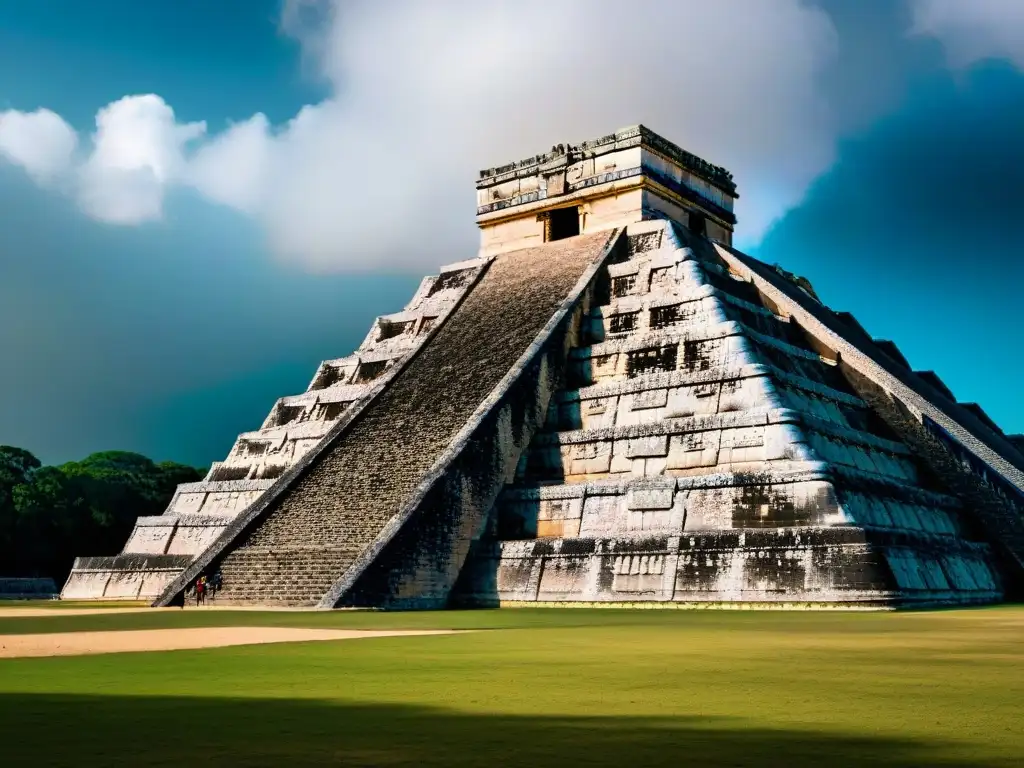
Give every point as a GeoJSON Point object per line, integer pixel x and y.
{"type": "Point", "coordinates": [339, 507]}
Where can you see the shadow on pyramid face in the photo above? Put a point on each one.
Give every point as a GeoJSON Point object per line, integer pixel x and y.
{"type": "Point", "coordinates": [112, 731]}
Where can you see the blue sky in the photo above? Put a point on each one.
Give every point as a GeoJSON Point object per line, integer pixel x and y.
{"type": "Point", "coordinates": [302, 165]}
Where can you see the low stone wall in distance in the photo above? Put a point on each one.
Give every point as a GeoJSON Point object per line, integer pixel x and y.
{"type": "Point", "coordinates": [14, 588]}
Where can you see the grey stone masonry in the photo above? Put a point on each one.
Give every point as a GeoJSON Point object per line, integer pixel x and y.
{"type": "Point", "coordinates": [973, 457]}
{"type": "Point", "coordinates": [302, 544]}
{"type": "Point", "coordinates": [708, 449]}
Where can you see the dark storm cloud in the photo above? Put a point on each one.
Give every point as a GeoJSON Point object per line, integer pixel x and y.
{"type": "Point", "coordinates": [168, 340]}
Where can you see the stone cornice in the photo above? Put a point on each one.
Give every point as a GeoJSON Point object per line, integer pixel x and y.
{"type": "Point", "coordinates": [634, 136]}
{"type": "Point", "coordinates": [606, 185]}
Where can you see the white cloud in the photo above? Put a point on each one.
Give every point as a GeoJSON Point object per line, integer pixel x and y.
{"type": "Point", "coordinates": [233, 168]}
{"type": "Point", "coordinates": [138, 149]}
{"type": "Point", "coordinates": [425, 94]}
{"type": "Point", "coordinates": [382, 173]}
{"type": "Point", "coordinates": [972, 30]}
{"type": "Point", "coordinates": [40, 142]}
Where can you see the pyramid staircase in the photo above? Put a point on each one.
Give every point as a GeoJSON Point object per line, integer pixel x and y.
{"type": "Point", "coordinates": [385, 510]}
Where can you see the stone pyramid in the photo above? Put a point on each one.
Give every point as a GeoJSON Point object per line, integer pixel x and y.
{"type": "Point", "coordinates": [610, 406]}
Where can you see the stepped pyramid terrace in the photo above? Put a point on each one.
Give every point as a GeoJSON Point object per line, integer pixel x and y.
{"type": "Point", "coordinates": [607, 405]}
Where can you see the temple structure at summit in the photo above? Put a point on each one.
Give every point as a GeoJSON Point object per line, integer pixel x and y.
{"type": "Point", "coordinates": [607, 405]}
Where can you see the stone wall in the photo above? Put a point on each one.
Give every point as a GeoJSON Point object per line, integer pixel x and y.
{"type": "Point", "coordinates": [122, 577]}
{"type": "Point", "coordinates": [803, 566]}
{"type": "Point", "coordinates": [12, 588]}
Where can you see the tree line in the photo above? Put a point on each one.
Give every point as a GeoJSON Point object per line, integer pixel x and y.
{"type": "Point", "coordinates": [51, 514]}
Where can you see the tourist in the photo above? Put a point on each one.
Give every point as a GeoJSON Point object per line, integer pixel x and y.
{"type": "Point", "coordinates": [215, 583]}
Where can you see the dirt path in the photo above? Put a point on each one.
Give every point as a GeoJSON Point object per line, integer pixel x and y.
{"type": "Point", "coordinates": [81, 643]}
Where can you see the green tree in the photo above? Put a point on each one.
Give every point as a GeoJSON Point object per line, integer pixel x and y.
{"type": "Point", "coordinates": [16, 465]}
{"type": "Point", "coordinates": [173, 474]}
{"type": "Point", "coordinates": [48, 515]}
{"type": "Point", "coordinates": [48, 525]}
{"type": "Point", "coordinates": [116, 487]}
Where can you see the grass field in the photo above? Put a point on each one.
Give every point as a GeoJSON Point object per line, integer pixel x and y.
{"type": "Point", "coordinates": [64, 605]}
{"type": "Point", "coordinates": [533, 687]}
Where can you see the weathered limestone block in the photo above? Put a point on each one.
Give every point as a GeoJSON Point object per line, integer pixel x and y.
{"type": "Point", "coordinates": [646, 446]}
{"type": "Point", "coordinates": [779, 567]}
{"type": "Point", "coordinates": [786, 442]}
{"type": "Point", "coordinates": [152, 534]}
{"type": "Point", "coordinates": [642, 407]}
{"type": "Point", "coordinates": [693, 400]}
{"type": "Point", "coordinates": [196, 532]}
{"type": "Point", "coordinates": [647, 400]}
{"type": "Point", "coordinates": [694, 449]}
{"type": "Point", "coordinates": [123, 577]}
{"type": "Point", "coordinates": [655, 509]}
{"type": "Point", "coordinates": [603, 515]}
{"type": "Point", "coordinates": [638, 575]}
{"type": "Point", "coordinates": [519, 578]}
{"type": "Point", "coordinates": [762, 505]}
{"type": "Point", "coordinates": [589, 459]}
{"type": "Point", "coordinates": [742, 445]}
{"type": "Point", "coordinates": [228, 504]}
{"type": "Point", "coordinates": [641, 498]}
{"type": "Point", "coordinates": [154, 582]}
{"type": "Point", "coordinates": [85, 585]}
{"type": "Point", "coordinates": [185, 503]}
{"type": "Point", "coordinates": [124, 585]}
{"type": "Point", "coordinates": [740, 394]}
{"type": "Point", "coordinates": [598, 412]}
{"type": "Point", "coordinates": [562, 577]}
{"type": "Point", "coordinates": [559, 517]}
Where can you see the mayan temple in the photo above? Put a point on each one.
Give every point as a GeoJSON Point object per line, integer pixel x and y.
{"type": "Point", "coordinates": [607, 405]}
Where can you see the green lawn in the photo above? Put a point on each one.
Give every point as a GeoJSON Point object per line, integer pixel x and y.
{"type": "Point", "coordinates": [57, 605]}
{"type": "Point", "coordinates": [536, 688]}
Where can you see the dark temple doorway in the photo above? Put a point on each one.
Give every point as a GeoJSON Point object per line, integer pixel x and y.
{"type": "Point", "coordinates": [698, 224]}
{"type": "Point", "coordinates": [563, 223]}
